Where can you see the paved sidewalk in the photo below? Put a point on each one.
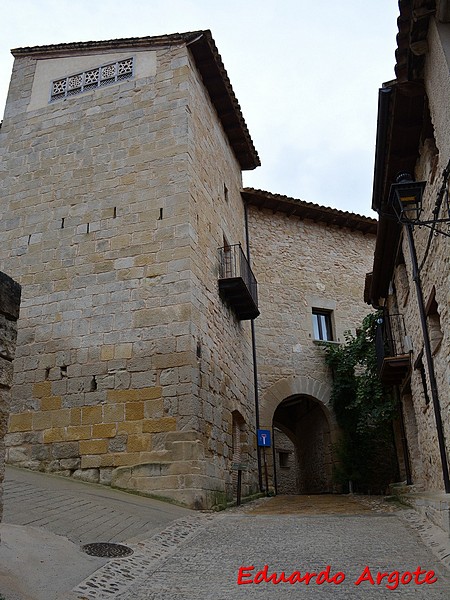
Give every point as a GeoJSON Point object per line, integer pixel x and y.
{"type": "Point", "coordinates": [187, 555]}
{"type": "Point", "coordinates": [82, 512]}
{"type": "Point", "coordinates": [47, 518]}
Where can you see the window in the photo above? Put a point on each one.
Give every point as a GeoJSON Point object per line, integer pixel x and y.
{"type": "Point", "coordinates": [92, 79]}
{"type": "Point", "coordinates": [434, 322]}
{"type": "Point", "coordinates": [284, 459]}
{"type": "Point", "coordinates": [418, 365]}
{"type": "Point", "coordinates": [322, 325]}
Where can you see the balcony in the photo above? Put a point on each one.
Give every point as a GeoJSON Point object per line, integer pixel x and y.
{"type": "Point", "coordinates": [393, 348]}
{"type": "Point", "coordinates": [237, 284]}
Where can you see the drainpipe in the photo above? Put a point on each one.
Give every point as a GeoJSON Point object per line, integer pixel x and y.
{"type": "Point", "coordinates": [255, 368]}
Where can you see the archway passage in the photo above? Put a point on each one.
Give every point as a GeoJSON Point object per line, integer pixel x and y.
{"type": "Point", "coordinates": [302, 445]}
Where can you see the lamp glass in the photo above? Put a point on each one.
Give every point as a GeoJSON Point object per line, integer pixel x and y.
{"type": "Point", "coordinates": [407, 200]}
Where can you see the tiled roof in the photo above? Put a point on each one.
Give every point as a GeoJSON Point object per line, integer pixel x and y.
{"type": "Point", "coordinates": [309, 210]}
{"type": "Point", "coordinates": [208, 62]}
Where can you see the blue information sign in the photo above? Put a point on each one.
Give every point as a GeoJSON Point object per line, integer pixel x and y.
{"type": "Point", "coordinates": [264, 438]}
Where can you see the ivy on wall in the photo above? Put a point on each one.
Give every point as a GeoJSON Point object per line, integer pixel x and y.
{"type": "Point", "coordinates": [364, 410]}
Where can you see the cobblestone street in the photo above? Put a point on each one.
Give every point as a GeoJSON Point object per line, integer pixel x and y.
{"type": "Point", "coordinates": [184, 555]}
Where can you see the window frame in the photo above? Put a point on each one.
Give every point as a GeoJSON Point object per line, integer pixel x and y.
{"type": "Point", "coordinates": [322, 325]}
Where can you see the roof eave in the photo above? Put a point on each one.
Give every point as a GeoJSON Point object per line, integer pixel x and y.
{"type": "Point", "coordinates": [308, 210]}
{"type": "Point", "coordinates": [209, 64]}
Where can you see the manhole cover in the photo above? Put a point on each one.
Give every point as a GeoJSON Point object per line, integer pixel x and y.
{"type": "Point", "coordinates": [107, 550]}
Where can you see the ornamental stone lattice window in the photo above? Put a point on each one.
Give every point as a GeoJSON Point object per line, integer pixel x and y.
{"type": "Point", "coordinates": [93, 78]}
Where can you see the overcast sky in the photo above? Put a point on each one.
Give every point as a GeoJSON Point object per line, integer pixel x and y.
{"type": "Point", "coordinates": [306, 74]}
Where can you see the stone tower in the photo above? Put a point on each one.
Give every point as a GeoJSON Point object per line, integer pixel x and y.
{"type": "Point", "coordinates": [121, 165]}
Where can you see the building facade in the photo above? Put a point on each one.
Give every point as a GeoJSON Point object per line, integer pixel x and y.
{"type": "Point", "coordinates": [125, 222]}
{"type": "Point", "coordinates": [411, 269]}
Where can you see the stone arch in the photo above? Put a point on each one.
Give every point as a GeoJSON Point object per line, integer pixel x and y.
{"type": "Point", "coordinates": [294, 386]}
{"type": "Point", "coordinates": [312, 424]}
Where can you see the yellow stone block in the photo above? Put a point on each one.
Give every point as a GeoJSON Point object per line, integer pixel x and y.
{"type": "Point", "coordinates": [51, 403]}
{"type": "Point", "coordinates": [148, 393]}
{"type": "Point", "coordinates": [93, 446]}
{"type": "Point", "coordinates": [104, 430]}
{"type": "Point", "coordinates": [107, 353]}
{"type": "Point", "coordinates": [132, 427]}
{"type": "Point", "coordinates": [158, 425]}
{"type": "Point", "coordinates": [53, 435]}
{"type": "Point", "coordinates": [75, 416]}
{"type": "Point", "coordinates": [113, 413]}
{"type": "Point", "coordinates": [41, 420]}
{"type": "Point", "coordinates": [20, 422]}
{"type": "Point", "coordinates": [42, 389]}
{"type": "Point", "coordinates": [139, 443]}
{"type": "Point", "coordinates": [106, 460]}
{"type": "Point", "coordinates": [134, 411]}
{"type": "Point", "coordinates": [123, 459]}
{"type": "Point", "coordinates": [122, 395]}
{"type": "Point", "coordinates": [91, 462]}
{"type": "Point", "coordinates": [91, 415]}
{"type": "Point", "coordinates": [78, 432]}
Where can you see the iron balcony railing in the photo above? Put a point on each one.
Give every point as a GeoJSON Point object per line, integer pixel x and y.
{"type": "Point", "coordinates": [237, 283]}
{"type": "Point", "coordinates": [393, 348]}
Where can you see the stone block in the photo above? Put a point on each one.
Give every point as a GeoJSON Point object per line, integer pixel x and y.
{"type": "Point", "coordinates": [88, 475]}
{"type": "Point", "coordinates": [107, 352]}
{"type": "Point", "coordinates": [41, 420]}
{"type": "Point", "coordinates": [149, 393]}
{"type": "Point", "coordinates": [65, 450]}
{"type": "Point", "coordinates": [123, 350]}
{"type": "Point", "coordinates": [70, 463]}
{"type": "Point", "coordinates": [91, 462]}
{"type": "Point", "coordinates": [60, 418]}
{"type": "Point", "coordinates": [118, 444]}
{"type": "Point", "coordinates": [40, 453]}
{"type": "Point", "coordinates": [134, 411]}
{"type": "Point", "coordinates": [104, 430]}
{"type": "Point", "coordinates": [159, 425]}
{"type": "Point", "coordinates": [123, 459]}
{"type": "Point", "coordinates": [153, 408]}
{"type": "Point", "coordinates": [78, 432]}
{"type": "Point", "coordinates": [20, 422]}
{"type": "Point", "coordinates": [42, 389]}
{"type": "Point", "coordinates": [53, 435]}
{"type": "Point", "coordinates": [91, 415]}
{"type": "Point", "coordinates": [188, 451]}
{"type": "Point", "coordinates": [51, 402]}
{"type": "Point", "coordinates": [114, 413]}
{"type": "Point", "coordinates": [93, 446]}
{"type": "Point", "coordinates": [17, 455]}
{"type": "Point", "coordinates": [6, 373]}
{"type": "Point", "coordinates": [139, 443]}
{"type": "Point", "coordinates": [75, 416]}
{"type": "Point", "coordinates": [106, 476]}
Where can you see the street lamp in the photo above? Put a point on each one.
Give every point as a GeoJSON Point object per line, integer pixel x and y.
{"type": "Point", "coordinates": [405, 198]}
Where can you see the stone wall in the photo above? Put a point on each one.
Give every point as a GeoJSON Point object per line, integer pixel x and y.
{"type": "Point", "coordinates": [435, 275]}
{"type": "Point", "coordinates": [127, 356]}
{"type": "Point", "coordinates": [301, 265]}
{"type": "Point", "coordinates": [9, 313]}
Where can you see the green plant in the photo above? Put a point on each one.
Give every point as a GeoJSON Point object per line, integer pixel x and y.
{"type": "Point", "coordinates": [364, 410]}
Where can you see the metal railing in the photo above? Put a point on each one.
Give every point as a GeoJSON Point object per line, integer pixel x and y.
{"type": "Point", "coordinates": [391, 339]}
{"type": "Point", "coordinates": [233, 263]}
